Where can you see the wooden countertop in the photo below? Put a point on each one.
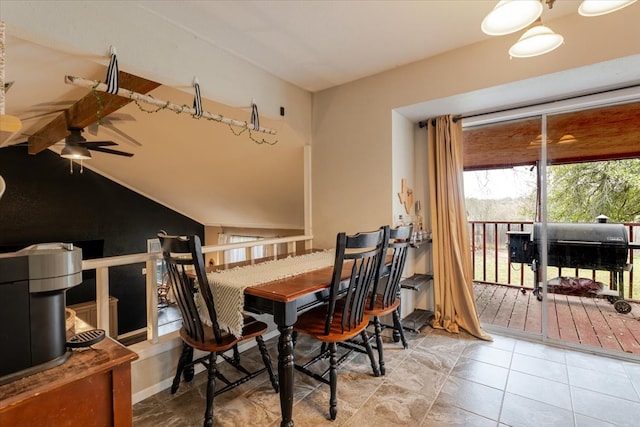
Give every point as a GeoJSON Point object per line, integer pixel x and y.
{"type": "Point", "coordinates": [82, 363]}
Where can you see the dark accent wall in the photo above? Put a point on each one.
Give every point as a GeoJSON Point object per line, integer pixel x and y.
{"type": "Point", "coordinates": [44, 202]}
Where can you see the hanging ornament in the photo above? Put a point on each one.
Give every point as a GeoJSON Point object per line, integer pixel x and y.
{"type": "Point", "coordinates": [197, 99]}
{"type": "Point", "coordinates": [255, 119]}
{"type": "Point", "coordinates": [112, 73]}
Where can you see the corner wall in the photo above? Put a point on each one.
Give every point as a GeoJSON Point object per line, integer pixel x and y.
{"type": "Point", "coordinates": [352, 124]}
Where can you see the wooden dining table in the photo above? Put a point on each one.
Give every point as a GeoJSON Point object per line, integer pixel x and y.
{"type": "Point", "coordinates": [284, 299]}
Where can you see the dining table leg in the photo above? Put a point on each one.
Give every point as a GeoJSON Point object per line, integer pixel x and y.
{"type": "Point", "coordinates": [286, 374]}
{"type": "Point", "coordinates": [285, 315]}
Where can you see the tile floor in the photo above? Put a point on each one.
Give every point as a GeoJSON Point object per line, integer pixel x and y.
{"type": "Point", "coordinates": [441, 380]}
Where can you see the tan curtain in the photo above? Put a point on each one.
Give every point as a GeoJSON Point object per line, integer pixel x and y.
{"type": "Point", "coordinates": [452, 274]}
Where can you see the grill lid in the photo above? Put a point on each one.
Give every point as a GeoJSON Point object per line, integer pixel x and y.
{"type": "Point", "coordinates": [599, 246]}
{"type": "Point", "coordinates": [611, 235]}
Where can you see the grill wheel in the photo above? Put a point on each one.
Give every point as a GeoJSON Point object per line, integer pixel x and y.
{"type": "Point", "coordinates": [622, 306]}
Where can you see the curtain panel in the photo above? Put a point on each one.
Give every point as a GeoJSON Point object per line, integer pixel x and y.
{"type": "Point", "coordinates": [452, 273]}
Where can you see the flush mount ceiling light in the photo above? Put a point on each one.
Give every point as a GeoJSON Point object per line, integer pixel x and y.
{"type": "Point", "coordinates": [537, 40]}
{"type": "Point", "coordinates": [509, 16]}
{"type": "Point", "coordinates": [602, 7]}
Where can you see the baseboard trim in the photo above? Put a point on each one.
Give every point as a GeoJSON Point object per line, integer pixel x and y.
{"type": "Point", "coordinates": [168, 342]}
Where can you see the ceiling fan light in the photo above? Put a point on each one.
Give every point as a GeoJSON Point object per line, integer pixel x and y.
{"type": "Point", "coordinates": [536, 41]}
{"type": "Point", "coordinates": [509, 16]}
{"type": "Point", "coordinates": [602, 7]}
{"type": "Point", "coordinates": [75, 152]}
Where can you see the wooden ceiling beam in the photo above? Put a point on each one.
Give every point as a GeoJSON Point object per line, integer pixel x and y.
{"type": "Point", "coordinates": [87, 111]}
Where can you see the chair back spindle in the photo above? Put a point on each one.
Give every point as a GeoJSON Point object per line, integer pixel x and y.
{"type": "Point", "coordinates": [387, 287]}
{"type": "Point", "coordinates": [362, 254]}
{"type": "Point", "coordinates": [182, 254]}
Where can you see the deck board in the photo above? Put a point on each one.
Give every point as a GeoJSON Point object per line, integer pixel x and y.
{"type": "Point", "coordinates": [586, 332]}
{"type": "Point", "coordinates": [576, 319]}
{"type": "Point", "coordinates": [519, 314]}
{"type": "Point", "coordinates": [493, 306]}
{"type": "Point", "coordinates": [601, 326]}
{"type": "Point", "coordinates": [533, 323]}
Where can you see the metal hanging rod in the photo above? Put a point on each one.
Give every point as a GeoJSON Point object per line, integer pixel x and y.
{"type": "Point", "coordinates": [129, 94]}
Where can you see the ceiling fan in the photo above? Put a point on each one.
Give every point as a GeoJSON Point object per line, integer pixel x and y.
{"type": "Point", "coordinates": [76, 146]}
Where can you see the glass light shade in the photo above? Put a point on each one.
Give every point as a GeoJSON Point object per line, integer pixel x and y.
{"type": "Point", "coordinates": [536, 41]}
{"type": "Point", "coordinates": [602, 7]}
{"type": "Point", "coordinates": [75, 152]}
{"type": "Point", "coordinates": [509, 16]}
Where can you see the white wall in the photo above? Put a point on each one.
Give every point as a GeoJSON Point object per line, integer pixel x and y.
{"type": "Point", "coordinates": [217, 178]}
{"type": "Point", "coordinates": [353, 121]}
{"type": "Point", "coordinates": [151, 47]}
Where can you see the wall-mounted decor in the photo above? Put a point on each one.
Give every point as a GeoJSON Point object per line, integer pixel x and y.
{"type": "Point", "coordinates": [406, 196]}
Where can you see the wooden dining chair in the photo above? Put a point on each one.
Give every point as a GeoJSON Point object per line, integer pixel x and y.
{"type": "Point", "coordinates": [183, 255]}
{"type": "Point", "coordinates": [385, 295]}
{"type": "Point", "coordinates": [357, 263]}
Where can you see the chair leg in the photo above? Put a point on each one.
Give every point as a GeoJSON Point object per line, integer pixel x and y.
{"type": "Point", "coordinates": [378, 332]}
{"type": "Point", "coordinates": [211, 390]}
{"type": "Point", "coordinates": [189, 369]}
{"type": "Point", "coordinates": [266, 358]}
{"type": "Point", "coordinates": [398, 327]}
{"type": "Point", "coordinates": [333, 380]}
{"type": "Point", "coordinates": [182, 361]}
{"type": "Point", "coordinates": [367, 346]}
{"type": "Point", "coordinates": [323, 348]}
{"type": "Point", "coordinates": [236, 354]}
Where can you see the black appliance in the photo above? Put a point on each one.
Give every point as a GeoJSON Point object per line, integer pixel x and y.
{"type": "Point", "coordinates": [594, 246]}
{"type": "Point", "coordinates": [33, 282]}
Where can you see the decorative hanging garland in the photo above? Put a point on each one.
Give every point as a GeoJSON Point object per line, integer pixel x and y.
{"type": "Point", "coordinates": [111, 86]}
{"type": "Point", "coordinates": [139, 98]}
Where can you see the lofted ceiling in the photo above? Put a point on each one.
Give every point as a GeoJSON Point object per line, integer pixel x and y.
{"type": "Point", "coordinates": [313, 45]}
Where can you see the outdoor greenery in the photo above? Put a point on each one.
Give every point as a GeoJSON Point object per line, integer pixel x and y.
{"type": "Point", "coordinates": [575, 193]}
{"type": "Point", "coordinates": [581, 192]}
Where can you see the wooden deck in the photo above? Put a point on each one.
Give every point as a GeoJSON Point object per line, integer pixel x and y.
{"type": "Point", "coordinates": [584, 320]}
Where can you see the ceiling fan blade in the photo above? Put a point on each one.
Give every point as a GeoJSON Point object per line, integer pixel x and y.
{"type": "Point", "coordinates": [125, 136]}
{"type": "Point", "coordinates": [90, 144]}
{"type": "Point", "coordinates": [108, 122]}
{"type": "Point", "coordinates": [110, 151]}
{"type": "Point", "coordinates": [85, 112]}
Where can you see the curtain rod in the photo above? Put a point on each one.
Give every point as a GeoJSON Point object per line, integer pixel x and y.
{"type": "Point", "coordinates": [424, 123]}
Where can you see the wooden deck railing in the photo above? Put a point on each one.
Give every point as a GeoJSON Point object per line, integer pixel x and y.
{"type": "Point", "coordinates": [491, 264]}
{"type": "Point", "coordinates": [277, 246]}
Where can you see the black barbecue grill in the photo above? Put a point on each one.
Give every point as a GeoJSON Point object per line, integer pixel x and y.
{"type": "Point", "coordinates": [593, 246]}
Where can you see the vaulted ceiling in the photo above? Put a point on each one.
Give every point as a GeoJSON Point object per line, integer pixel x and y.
{"type": "Point", "coordinates": [312, 45]}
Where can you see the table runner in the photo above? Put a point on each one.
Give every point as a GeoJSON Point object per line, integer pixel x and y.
{"type": "Point", "coordinates": [227, 286]}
